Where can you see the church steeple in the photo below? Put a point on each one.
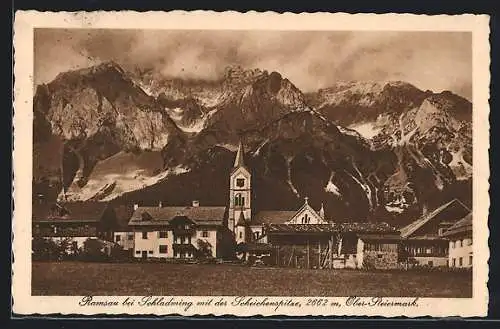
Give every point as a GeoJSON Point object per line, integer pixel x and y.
{"type": "Point", "coordinates": [240, 192]}
{"type": "Point", "coordinates": [238, 161]}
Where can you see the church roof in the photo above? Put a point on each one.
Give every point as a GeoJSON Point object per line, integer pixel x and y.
{"type": "Point", "coordinates": [238, 161]}
{"type": "Point", "coordinates": [163, 215]}
{"type": "Point", "coordinates": [273, 216]}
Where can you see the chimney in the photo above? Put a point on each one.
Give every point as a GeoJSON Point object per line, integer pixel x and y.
{"type": "Point", "coordinates": [159, 204]}
{"type": "Point", "coordinates": [196, 203]}
{"type": "Point", "coordinates": [136, 206]}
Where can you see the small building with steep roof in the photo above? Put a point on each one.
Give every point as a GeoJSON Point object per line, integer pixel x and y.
{"type": "Point", "coordinates": [460, 253]}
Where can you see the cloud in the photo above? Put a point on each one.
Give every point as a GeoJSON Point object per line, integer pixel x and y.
{"type": "Point", "coordinates": [311, 60]}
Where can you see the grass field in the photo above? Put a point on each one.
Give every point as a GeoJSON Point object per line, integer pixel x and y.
{"type": "Point", "coordinates": [74, 278]}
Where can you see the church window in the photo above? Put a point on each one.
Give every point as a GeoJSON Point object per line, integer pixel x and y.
{"type": "Point", "coordinates": [306, 219]}
{"type": "Point", "coordinates": [239, 200]}
{"type": "Point", "coordinates": [240, 182]}
{"type": "Point", "coordinates": [204, 234]}
{"type": "Point", "coordinates": [241, 235]}
{"type": "Point", "coordinates": [470, 260]}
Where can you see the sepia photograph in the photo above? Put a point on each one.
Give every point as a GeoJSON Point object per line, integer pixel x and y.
{"type": "Point", "coordinates": [253, 162]}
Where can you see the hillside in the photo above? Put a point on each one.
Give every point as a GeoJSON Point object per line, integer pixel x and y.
{"type": "Point", "coordinates": [367, 150]}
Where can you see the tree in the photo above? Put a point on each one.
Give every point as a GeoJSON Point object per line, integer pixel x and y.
{"type": "Point", "coordinates": [93, 250]}
{"type": "Point", "coordinates": [204, 249]}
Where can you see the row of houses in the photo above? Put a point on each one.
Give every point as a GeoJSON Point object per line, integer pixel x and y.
{"type": "Point", "coordinates": [298, 238]}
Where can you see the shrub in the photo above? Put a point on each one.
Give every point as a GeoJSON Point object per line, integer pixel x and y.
{"type": "Point", "coordinates": [93, 250]}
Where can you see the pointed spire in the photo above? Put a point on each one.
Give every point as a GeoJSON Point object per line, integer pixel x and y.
{"type": "Point", "coordinates": [322, 211]}
{"type": "Point", "coordinates": [306, 200]}
{"type": "Point", "coordinates": [238, 162]}
{"type": "Point", "coordinates": [241, 219]}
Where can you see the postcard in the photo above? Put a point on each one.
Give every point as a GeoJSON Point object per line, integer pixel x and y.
{"type": "Point", "coordinates": [206, 163]}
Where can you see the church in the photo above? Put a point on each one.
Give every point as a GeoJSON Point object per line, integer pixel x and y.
{"type": "Point", "coordinates": [296, 238]}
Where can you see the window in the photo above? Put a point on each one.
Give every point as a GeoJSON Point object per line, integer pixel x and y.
{"type": "Point", "coordinates": [118, 238]}
{"type": "Point", "coordinates": [186, 227]}
{"type": "Point", "coordinates": [204, 234]}
{"type": "Point", "coordinates": [239, 200]}
{"type": "Point", "coordinates": [137, 252]}
{"type": "Point", "coordinates": [144, 235]}
{"type": "Point", "coordinates": [189, 254]}
{"type": "Point", "coordinates": [240, 182]}
{"type": "Point", "coordinates": [379, 256]}
{"type": "Point", "coordinates": [256, 235]}
{"type": "Point", "coordinates": [452, 244]}
{"type": "Point", "coordinates": [163, 249]}
{"type": "Point", "coordinates": [182, 240]}
{"type": "Point", "coordinates": [241, 235]}
{"type": "Point", "coordinates": [470, 260]}
{"type": "Point", "coordinates": [130, 237]}
{"type": "Point", "coordinates": [459, 243]}
{"type": "Point", "coordinates": [453, 262]}
{"type": "Point", "coordinates": [150, 252]}
{"type": "Point", "coordinates": [460, 262]}
{"type": "Point", "coordinates": [305, 219]}
{"type": "Point", "coordinates": [163, 234]}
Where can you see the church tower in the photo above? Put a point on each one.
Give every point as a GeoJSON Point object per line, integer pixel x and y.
{"type": "Point", "coordinates": [240, 188]}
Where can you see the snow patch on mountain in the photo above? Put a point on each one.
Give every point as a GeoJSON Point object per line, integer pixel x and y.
{"type": "Point", "coordinates": [331, 187]}
{"type": "Point", "coordinates": [368, 130]}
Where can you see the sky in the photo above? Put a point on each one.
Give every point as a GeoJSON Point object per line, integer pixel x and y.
{"type": "Point", "coordinates": [311, 60]}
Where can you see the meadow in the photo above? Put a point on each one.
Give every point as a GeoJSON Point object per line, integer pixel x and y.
{"type": "Point", "coordinates": [82, 278]}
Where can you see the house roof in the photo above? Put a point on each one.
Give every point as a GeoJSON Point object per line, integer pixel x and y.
{"type": "Point", "coordinates": [408, 230]}
{"type": "Point", "coordinates": [273, 216]}
{"type": "Point", "coordinates": [163, 216]}
{"type": "Point", "coordinates": [462, 226]}
{"type": "Point", "coordinates": [69, 212]}
{"type": "Point", "coordinates": [332, 227]}
{"type": "Point", "coordinates": [380, 236]}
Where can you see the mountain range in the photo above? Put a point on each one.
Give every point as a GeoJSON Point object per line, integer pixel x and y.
{"type": "Point", "coordinates": [367, 150]}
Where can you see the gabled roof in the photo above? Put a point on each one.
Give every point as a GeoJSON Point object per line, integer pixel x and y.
{"type": "Point", "coordinates": [162, 216]}
{"type": "Point", "coordinates": [462, 226]}
{"type": "Point", "coordinates": [306, 208]}
{"type": "Point", "coordinates": [69, 212]}
{"type": "Point", "coordinates": [408, 230]}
